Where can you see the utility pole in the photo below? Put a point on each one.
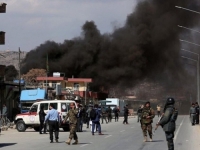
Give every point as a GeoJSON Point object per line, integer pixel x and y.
{"type": "Point", "coordinates": [2, 33]}
{"type": "Point", "coordinates": [2, 42]}
{"type": "Point", "coordinates": [19, 72]}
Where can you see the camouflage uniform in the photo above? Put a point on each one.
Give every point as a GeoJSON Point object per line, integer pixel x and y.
{"type": "Point", "coordinates": [146, 123]}
{"type": "Point", "coordinates": [72, 115]}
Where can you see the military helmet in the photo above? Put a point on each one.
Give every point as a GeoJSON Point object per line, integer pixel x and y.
{"type": "Point", "coordinates": [170, 101]}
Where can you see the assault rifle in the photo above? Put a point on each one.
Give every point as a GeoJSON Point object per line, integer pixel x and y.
{"type": "Point", "coordinates": [157, 125]}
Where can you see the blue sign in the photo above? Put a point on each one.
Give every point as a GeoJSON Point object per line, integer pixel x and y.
{"type": "Point", "coordinates": [17, 81]}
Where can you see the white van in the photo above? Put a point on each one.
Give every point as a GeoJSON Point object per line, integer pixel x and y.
{"type": "Point", "coordinates": [31, 118]}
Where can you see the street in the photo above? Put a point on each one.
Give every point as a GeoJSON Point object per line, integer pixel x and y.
{"type": "Point", "coordinates": [117, 136]}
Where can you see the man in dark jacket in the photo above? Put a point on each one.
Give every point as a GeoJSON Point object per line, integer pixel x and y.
{"type": "Point", "coordinates": [168, 121]}
{"type": "Point", "coordinates": [42, 118]}
{"type": "Point", "coordinates": [95, 121]}
{"type": "Point", "coordinates": [125, 114]}
{"type": "Point", "coordinates": [116, 112]}
{"type": "Point", "coordinates": [79, 119]}
{"type": "Point", "coordinates": [197, 112]}
{"type": "Point", "coordinates": [109, 111]}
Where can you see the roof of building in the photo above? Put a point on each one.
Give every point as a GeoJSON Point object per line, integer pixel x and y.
{"type": "Point", "coordinates": [31, 95]}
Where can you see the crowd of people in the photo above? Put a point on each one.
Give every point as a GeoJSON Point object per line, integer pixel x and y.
{"type": "Point", "coordinates": [93, 115]}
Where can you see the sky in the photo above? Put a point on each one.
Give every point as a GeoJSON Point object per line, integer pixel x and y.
{"type": "Point", "coordinates": [29, 23]}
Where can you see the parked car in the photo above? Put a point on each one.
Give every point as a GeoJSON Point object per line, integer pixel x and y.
{"type": "Point", "coordinates": [31, 118]}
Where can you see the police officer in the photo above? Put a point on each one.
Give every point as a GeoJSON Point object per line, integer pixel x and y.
{"type": "Point", "coordinates": [72, 115]}
{"type": "Point", "coordinates": [168, 121]}
{"type": "Point", "coordinates": [193, 114]}
{"type": "Point", "coordinates": [53, 121]}
{"type": "Point", "coordinates": [197, 112]}
{"type": "Point", "coordinates": [146, 120]}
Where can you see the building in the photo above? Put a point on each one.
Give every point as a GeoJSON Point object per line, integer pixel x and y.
{"type": "Point", "coordinates": [70, 88]}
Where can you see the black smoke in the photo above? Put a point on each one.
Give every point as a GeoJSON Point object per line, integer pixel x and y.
{"type": "Point", "coordinates": [146, 47]}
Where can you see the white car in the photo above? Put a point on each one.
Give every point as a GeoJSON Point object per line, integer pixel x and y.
{"type": "Point", "coordinates": [31, 118]}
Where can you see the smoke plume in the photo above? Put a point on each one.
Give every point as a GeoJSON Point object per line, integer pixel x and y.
{"type": "Point", "coordinates": [146, 47]}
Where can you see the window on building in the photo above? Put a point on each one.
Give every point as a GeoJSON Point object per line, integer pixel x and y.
{"type": "Point", "coordinates": [76, 86]}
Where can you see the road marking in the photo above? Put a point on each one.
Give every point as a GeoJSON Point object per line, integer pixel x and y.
{"type": "Point", "coordinates": [122, 131]}
{"type": "Point", "coordinates": [83, 145]}
{"type": "Point", "coordinates": [108, 136]}
{"type": "Point", "coordinates": [178, 130]}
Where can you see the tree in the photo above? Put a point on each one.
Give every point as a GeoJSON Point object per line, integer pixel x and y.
{"type": "Point", "coordinates": [31, 76]}
{"type": "Point", "coordinates": [10, 73]}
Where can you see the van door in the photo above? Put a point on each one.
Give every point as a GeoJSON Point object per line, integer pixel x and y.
{"type": "Point", "coordinates": [33, 117]}
{"type": "Point", "coordinates": [64, 109]}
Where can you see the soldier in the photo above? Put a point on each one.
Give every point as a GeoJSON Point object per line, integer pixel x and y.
{"type": "Point", "coordinates": [72, 115]}
{"type": "Point", "coordinates": [193, 114]}
{"type": "Point", "coordinates": [146, 120]}
{"type": "Point", "coordinates": [168, 122]}
{"type": "Point", "coordinates": [197, 111]}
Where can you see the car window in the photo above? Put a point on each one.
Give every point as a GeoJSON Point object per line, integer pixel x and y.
{"type": "Point", "coordinates": [64, 107]}
{"type": "Point", "coordinates": [55, 105]}
{"type": "Point", "coordinates": [34, 108]}
{"type": "Point", "coordinates": [45, 105]}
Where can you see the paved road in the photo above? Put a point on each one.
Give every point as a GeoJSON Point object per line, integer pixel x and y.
{"type": "Point", "coordinates": [117, 137]}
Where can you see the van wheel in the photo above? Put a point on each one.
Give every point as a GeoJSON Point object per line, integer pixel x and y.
{"type": "Point", "coordinates": [21, 127]}
{"type": "Point", "coordinates": [36, 128]}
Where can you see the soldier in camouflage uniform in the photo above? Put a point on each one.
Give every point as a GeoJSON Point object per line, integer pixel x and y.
{"type": "Point", "coordinates": [146, 120]}
{"type": "Point", "coordinates": [72, 115]}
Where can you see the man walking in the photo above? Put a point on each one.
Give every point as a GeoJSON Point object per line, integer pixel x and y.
{"type": "Point", "coordinates": [103, 116]}
{"type": "Point", "coordinates": [42, 118]}
{"type": "Point", "coordinates": [193, 114]}
{"type": "Point", "coordinates": [197, 112]}
{"type": "Point", "coordinates": [146, 121]}
{"type": "Point", "coordinates": [116, 112]}
{"type": "Point", "coordinates": [72, 115]}
{"type": "Point", "coordinates": [158, 110]}
{"type": "Point", "coordinates": [53, 120]}
{"type": "Point", "coordinates": [88, 116]}
{"type": "Point", "coordinates": [125, 114]}
{"type": "Point", "coordinates": [109, 111]}
{"type": "Point", "coordinates": [4, 111]}
{"type": "Point", "coordinates": [139, 112]}
{"type": "Point", "coordinates": [79, 119]}
{"type": "Point", "coordinates": [168, 122]}
{"type": "Point", "coordinates": [95, 117]}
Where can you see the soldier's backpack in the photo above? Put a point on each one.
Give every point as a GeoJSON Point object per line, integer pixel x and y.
{"type": "Point", "coordinates": [93, 114]}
